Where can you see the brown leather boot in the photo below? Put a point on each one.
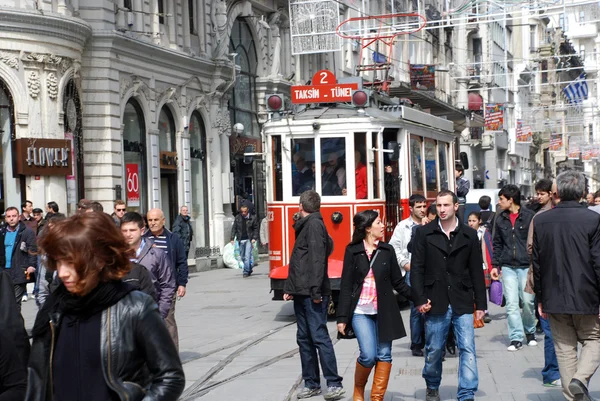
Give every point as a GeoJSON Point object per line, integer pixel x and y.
{"type": "Point", "coordinates": [380, 380]}
{"type": "Point", "coordinates": [361, 376]}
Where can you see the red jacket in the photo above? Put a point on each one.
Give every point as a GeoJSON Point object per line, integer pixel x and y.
{"type": "Point", "coordinates": [361, 181]}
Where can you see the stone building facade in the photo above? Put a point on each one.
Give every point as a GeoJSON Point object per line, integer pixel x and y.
{"type": "Point", "coordinates": [148, 92]}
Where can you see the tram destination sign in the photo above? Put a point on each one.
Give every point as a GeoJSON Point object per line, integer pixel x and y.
{"type": "Point", "coordinates": [36, 156]}
{"type": "Point", "coordinates": [324, 88]}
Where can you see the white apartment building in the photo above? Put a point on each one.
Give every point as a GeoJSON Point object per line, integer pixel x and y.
{"type": "Point", "coordinates": [149, 94]}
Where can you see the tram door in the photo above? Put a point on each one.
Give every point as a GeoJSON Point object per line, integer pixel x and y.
{"type": "Point", "coordinates": [393, 212]}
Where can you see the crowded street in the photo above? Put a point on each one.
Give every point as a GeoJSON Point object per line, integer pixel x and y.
{"type": "Point", "coordinates": [237, 344]}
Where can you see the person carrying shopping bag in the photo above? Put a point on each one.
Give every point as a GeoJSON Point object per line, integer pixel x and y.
{"type": "Point", "coordinates": [367, 305]}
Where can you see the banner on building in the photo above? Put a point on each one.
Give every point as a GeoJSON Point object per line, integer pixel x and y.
{"type": "Point", "coordinates": [556, 143]}
{"type": "Point", "coordinates": [133, 184]}
{"type": "Point", "coordinates": [574, 149]}
{"type": "Point", "coordinates": [422, 77]}
{"type": "Point", "coordinates": [524, 133]}
{"type": "Point", "coordinates": [587, 153]}
{"type": "Point", "coordinates": [494, 117]}
{"type": "Point", "coordinates": [577, 91]}
{"type": "Point", "coordinates": [595, 152]}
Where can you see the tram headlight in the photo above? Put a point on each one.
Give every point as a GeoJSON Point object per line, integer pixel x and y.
{"type": "Point", "coordinates": [337, 217]}
{"type": "Point", "coordinates": [274, 102]}
{"type": "Point", "coordinates": [360, 98]}
{"type": "Point", "coordinates": [316, 126]}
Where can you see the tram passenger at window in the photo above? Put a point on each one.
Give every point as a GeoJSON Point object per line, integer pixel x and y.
{"type": "Point", "coordinates": [334, 176]}
{"type": "Point", "coordinates": [304, 178]}
{"type": "Point", "coordinates": [361, 177]}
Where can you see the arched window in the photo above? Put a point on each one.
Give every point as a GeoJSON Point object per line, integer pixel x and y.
{"type": "Point", "coordinates": [198, 152]}
{"type": "Point", "coordinates": [243, 102]}
{"type": "Point", "coordinates": [166, 131]}
{"type": "Point", "coordinates": [7, 131]}
{"type": "Point", "coordinates": [72, 124]}
{"type": "Point", "coordinates": [134, 147]}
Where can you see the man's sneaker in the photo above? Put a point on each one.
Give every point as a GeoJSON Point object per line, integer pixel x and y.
{"type": "Point", "coordinates": [308, 392]}
{"type": "Point", "coordinates": [24, 299]}
{"type": "Point", "coordinates": [432, 395]}
{"type": "Point", "coordinates": [334, 393]}
{"type": "Point", "coordinates": [531, 340]}
{"type": "Point", "coordinates": [417, 352]}
{"type": "Point", "coordinates": [515, 346]}
{"type": "Point", "coordinates": [487, 318]}
{"type": "Point", "coordinates": [555, 383]}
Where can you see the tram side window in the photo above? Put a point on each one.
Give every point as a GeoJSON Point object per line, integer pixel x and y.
{"type": "Point", "coordinates": [375, 161]}
{"type": "Point", "coordinates": [443, 161]}
{"type": "Point", "coordinates": [303, 165]}
{"type": "Point", "coordinates": [416, 165]}
{"type": "Point", "coordinates": [431, 178]}
{"type": "Point", "coordinates": [360, 168]}
{"type": "Point", "coordinates": [333, 168]}
{"type": "Point", "coordinates": [277, 173]}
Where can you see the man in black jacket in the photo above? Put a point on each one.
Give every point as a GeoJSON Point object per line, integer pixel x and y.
{"type": "Point", "coordinates": [512, 259]}
{"type": "Point", "coordinates": [566, 271]}
{"type": "Point", "coordinates": [447, 280]}
{"type": "Point", "coordinates": [18, 255]}
{"type": "Point", "coordinates": [308, 285]}
{"type": "Point", "coordinates": [245, 230]}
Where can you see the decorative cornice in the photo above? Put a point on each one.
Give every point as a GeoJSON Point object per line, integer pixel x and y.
{"type": "Point", "coordinates": [33, 22]}
{"type": "Point", "coordinates": [11, 60]}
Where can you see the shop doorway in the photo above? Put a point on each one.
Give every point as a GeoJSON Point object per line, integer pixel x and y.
{"type": "Point", "coordinates": [168, 195]}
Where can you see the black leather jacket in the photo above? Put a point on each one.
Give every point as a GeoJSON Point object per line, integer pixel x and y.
{"type": "Point", "coordinates": [510, 243]}
{"type": "Point", "coordinates": [139, 359]}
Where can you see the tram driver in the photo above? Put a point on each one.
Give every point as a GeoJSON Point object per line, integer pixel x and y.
{"type": "Point", "coordinates": [304, 178]}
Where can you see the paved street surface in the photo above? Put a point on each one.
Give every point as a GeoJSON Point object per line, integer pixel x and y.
{"type": "Point", "coordinates": [237, 344]}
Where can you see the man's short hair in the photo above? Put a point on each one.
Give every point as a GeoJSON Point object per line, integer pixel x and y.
{"type": "Point", "coordinates": [485, 202]}
{"type": "Point", "coordinates": [447, 192]}
{"type": "Point", "coordinates": [543, 185]}
{"type": "Point", "coordinates": [570, 185]}
{"type": "Point", "coordinates": [244, 207]}
{"type": "Point", "coordinates": [133, 217]}
{"type": "Point", "coordinates": [24, 204]}
{"type": "Point", "coordinates": [119, 202]}
{"type": "Point", "coordinates": [11, 208]}
{"type": "Point", "coordinates": [459, 167]}
{"type": "Point", "coordinates": [310, 201]}
{"type": "Point", "coordinates": [83, 203]}
{"type": "Point", "coordinates": [53, 205]}
{"type": "Point", "coordinates": [511, 191]}
{"type": "Point", "coordinates": [432, 209]}
{"type": "Point", "coordinates": [37, 210]}
{"type": "Point", "coordinates": [416, 198]}
{"type": "Point", "coordinates": [95, 206]}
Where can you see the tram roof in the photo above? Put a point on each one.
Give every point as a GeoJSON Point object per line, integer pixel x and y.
{"type": "Point", "coordinates": [372, 115]}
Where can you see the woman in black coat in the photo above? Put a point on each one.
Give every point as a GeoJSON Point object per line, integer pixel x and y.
{"type": "Point", "coordinates": [367, 302]}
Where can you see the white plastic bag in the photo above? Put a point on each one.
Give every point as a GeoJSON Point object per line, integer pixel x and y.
{"type": "Point", "coordinates": [228, 258]}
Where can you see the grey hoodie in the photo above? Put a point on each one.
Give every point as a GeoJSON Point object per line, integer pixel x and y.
{"type": "Point", "coordinates": [159, 265]}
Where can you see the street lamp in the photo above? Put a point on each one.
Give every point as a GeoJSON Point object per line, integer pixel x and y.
{"type": "Point", "coordinates": [238, 128]}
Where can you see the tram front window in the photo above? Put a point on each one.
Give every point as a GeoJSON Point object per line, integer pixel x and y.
{"type": "Point", "coordinates": [333, 168]}
{"type": "Point", "coordinates": [416, 165]}
{"type": "Point", "coordinates": [443, 161]}
{"type": "Point", "coordinates": [303, 165]}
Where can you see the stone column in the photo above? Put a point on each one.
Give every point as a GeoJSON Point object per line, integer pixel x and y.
{"type": "Point", "coordinates": [153, 168]}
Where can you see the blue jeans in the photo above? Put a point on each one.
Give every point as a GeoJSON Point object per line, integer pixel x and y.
{"type": "Point", "coordinates": [246, 255]}
{"type": "Point", "coordinates": [313, 335]}
{"type": "Point", "coordinates": [550, 372]}
{"type": "Point", "coordinates": [513, 287]}
{"type": "Point", "coordinates": [416, 323]}
{"type": "Point", "coordinates": [371, 349]}
{"type": "Point", "coordinates": [436, 332]}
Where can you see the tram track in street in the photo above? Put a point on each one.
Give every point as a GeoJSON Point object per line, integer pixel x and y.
{"type": "Point", "coordinates": [204, 385]}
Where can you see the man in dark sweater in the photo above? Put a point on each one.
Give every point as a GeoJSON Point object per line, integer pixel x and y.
{"type": "Point", "coordinates": [245, 230]}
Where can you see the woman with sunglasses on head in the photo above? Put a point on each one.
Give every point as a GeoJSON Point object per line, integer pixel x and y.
{"type": "Point", "coordinates": [367, 303]}
{"type": "Point", "coordinates": [96, 338]}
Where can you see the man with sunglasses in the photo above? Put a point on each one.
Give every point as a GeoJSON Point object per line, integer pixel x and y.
{"type": "Point", "coordinates": [119, 212]}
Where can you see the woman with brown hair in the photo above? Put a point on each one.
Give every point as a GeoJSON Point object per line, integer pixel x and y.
{"type": "Point", "coordinates": [96, 338]}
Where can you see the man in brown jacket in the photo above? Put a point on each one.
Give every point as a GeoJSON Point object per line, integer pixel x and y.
{"type": "Point", "coordinates": [550, 374]}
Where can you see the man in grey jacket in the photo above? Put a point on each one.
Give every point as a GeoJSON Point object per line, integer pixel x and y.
{"type": "Point", "coordinates": [152, 258]}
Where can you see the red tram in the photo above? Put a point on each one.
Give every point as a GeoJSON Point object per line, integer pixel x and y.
{"type": "Point", "coordinates": [356, 159]}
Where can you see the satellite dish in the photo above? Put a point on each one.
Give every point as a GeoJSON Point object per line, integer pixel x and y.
{"type": "Point", "coordinates": [71, 115]}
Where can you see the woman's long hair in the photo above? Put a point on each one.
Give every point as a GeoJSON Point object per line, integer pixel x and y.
{"type": "Point", "coordinates": [93, 244]}
{"type": "Point", "coordinates": [362, 221]}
